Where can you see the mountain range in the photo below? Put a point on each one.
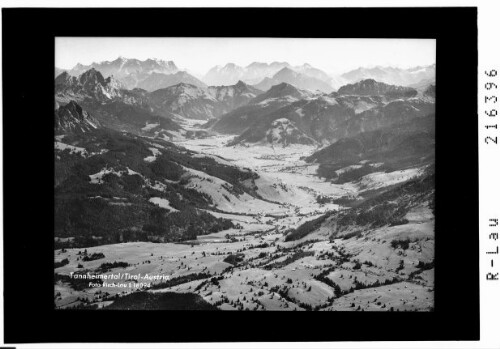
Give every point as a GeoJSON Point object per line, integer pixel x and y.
{"type": "Point", "coordinates": [263, 76]}
{"type": "Point", "coordinates": [323, 118]}
{"type": "Point", "coordinates": [124, 67]}
{"type": "Point", "coordinates": [370, 87]}
{"type": "Point", "coordinates": [72, 118]}
{"type": "Point", "coordinates": [153, 74]}
{"type": "Point", "coordinates": [137, 110]}
{"type": "Point", "coordinates": [391, 75]}
{"type": "Point", "coordinates": [257, 71]}
{"type": "Point", "coordinates": [90, 85]}
{"type": "Point", "coordinates": [250, 113]}
{"type": "Point", "coordinates": [150, 74]}
{"type": "Point", "coordinates": [193, 102]}
{"type": "Point", "coordinates": [242, 118]}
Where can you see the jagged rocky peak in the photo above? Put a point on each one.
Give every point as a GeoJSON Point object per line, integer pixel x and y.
{"type": "Point", "coordinates": [240, 84]}
{"type": "Point", "coordinates": [64, 79]}
{"type": "Point", "coordinates": [73, 118]}
{"type": "Point", "coordinates": [63, 75]}
{"type": "Point", "coordinates": [74, 109]}
{"type": "Point", "coordinates": [111, 81]}
{"type": "Point", "coordinates": [90, 85]}
{"type": "Point", "coordinates": [92, 77]}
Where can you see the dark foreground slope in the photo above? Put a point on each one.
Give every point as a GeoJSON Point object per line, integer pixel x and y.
{"type": "Point", "coordinates": [160, 301]}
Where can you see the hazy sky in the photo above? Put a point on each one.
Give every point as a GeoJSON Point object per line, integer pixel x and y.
{"type": "Point", "coordinates": [200, 54]}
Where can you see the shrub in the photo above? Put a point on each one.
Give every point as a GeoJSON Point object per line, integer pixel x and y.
{"type": "Point", "coordinates": [403, 244]}
{"type": "Point", "coordinates": [234, 259]}
{"type": "Point", "coordinates": [93, 257]}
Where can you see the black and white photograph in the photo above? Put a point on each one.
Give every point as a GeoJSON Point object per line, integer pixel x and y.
{"type": "Point", "coordinates": [255, 175]}
{"type": "Point", "coordinates": [244, 174]}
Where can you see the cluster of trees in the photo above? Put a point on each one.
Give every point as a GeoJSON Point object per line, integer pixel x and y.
{"type": "Point", "coordinates": [390, 207]}
{"type": "Point", "coordinates": [403, 244]}
{"type": "Point", "coordinates": [377, 216]}
{"type": "Point", "coordinates": [425, 265]}
{"type": "Point", "coordinates": [230, 174]}
{"type": "Point", "coordinates": [401, 266]}
{"type": "Point", "coordinates": [305, 228]}
{"type": "Point", "coordinates": [234, 259]}
{"type": "Point", "coordinates": [262, 245]}
{"type": "Point", "coordinates": [296, 256]}
{"type": "Point", "coordinates": [214, 281]}
{"type": "Point", "coordinates": [360, 285]}
{"type": "Point", "coordinates": [90, 214]}
{"type": "Point", "coordinates": [354, 174]}
{"type": "Point", "coordinates": [422, 266]}
{"type": "Point", "coordinates": [323, 277]}
{"type": "Point", "coordinates": [180, 280]}
{"type": "Point", "coordinates": [162, 167]}
{"type": "Point", "coordinates": [356, 233]}
{"type": "Point", "coordinates": [92, 256]}
{"type": "Point", "coordinates": [85, 219]}
{"type": "Point", "coordinates": [357, 265]}
{"type": "Point", "coordinates": [345, 200]}
{"type": "Point", "coordinates": [321, 199]}
{"type": "Point", "coordinates": [183, 225]}
{"type": "Point", "coordinates": [104, 267]}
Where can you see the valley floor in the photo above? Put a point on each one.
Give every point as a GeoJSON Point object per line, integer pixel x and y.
{"type": "Point", "coordinates": [364, 272]}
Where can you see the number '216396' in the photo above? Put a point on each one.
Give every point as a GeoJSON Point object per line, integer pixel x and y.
{"type": "Point", "coordinates": [489, 100]}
